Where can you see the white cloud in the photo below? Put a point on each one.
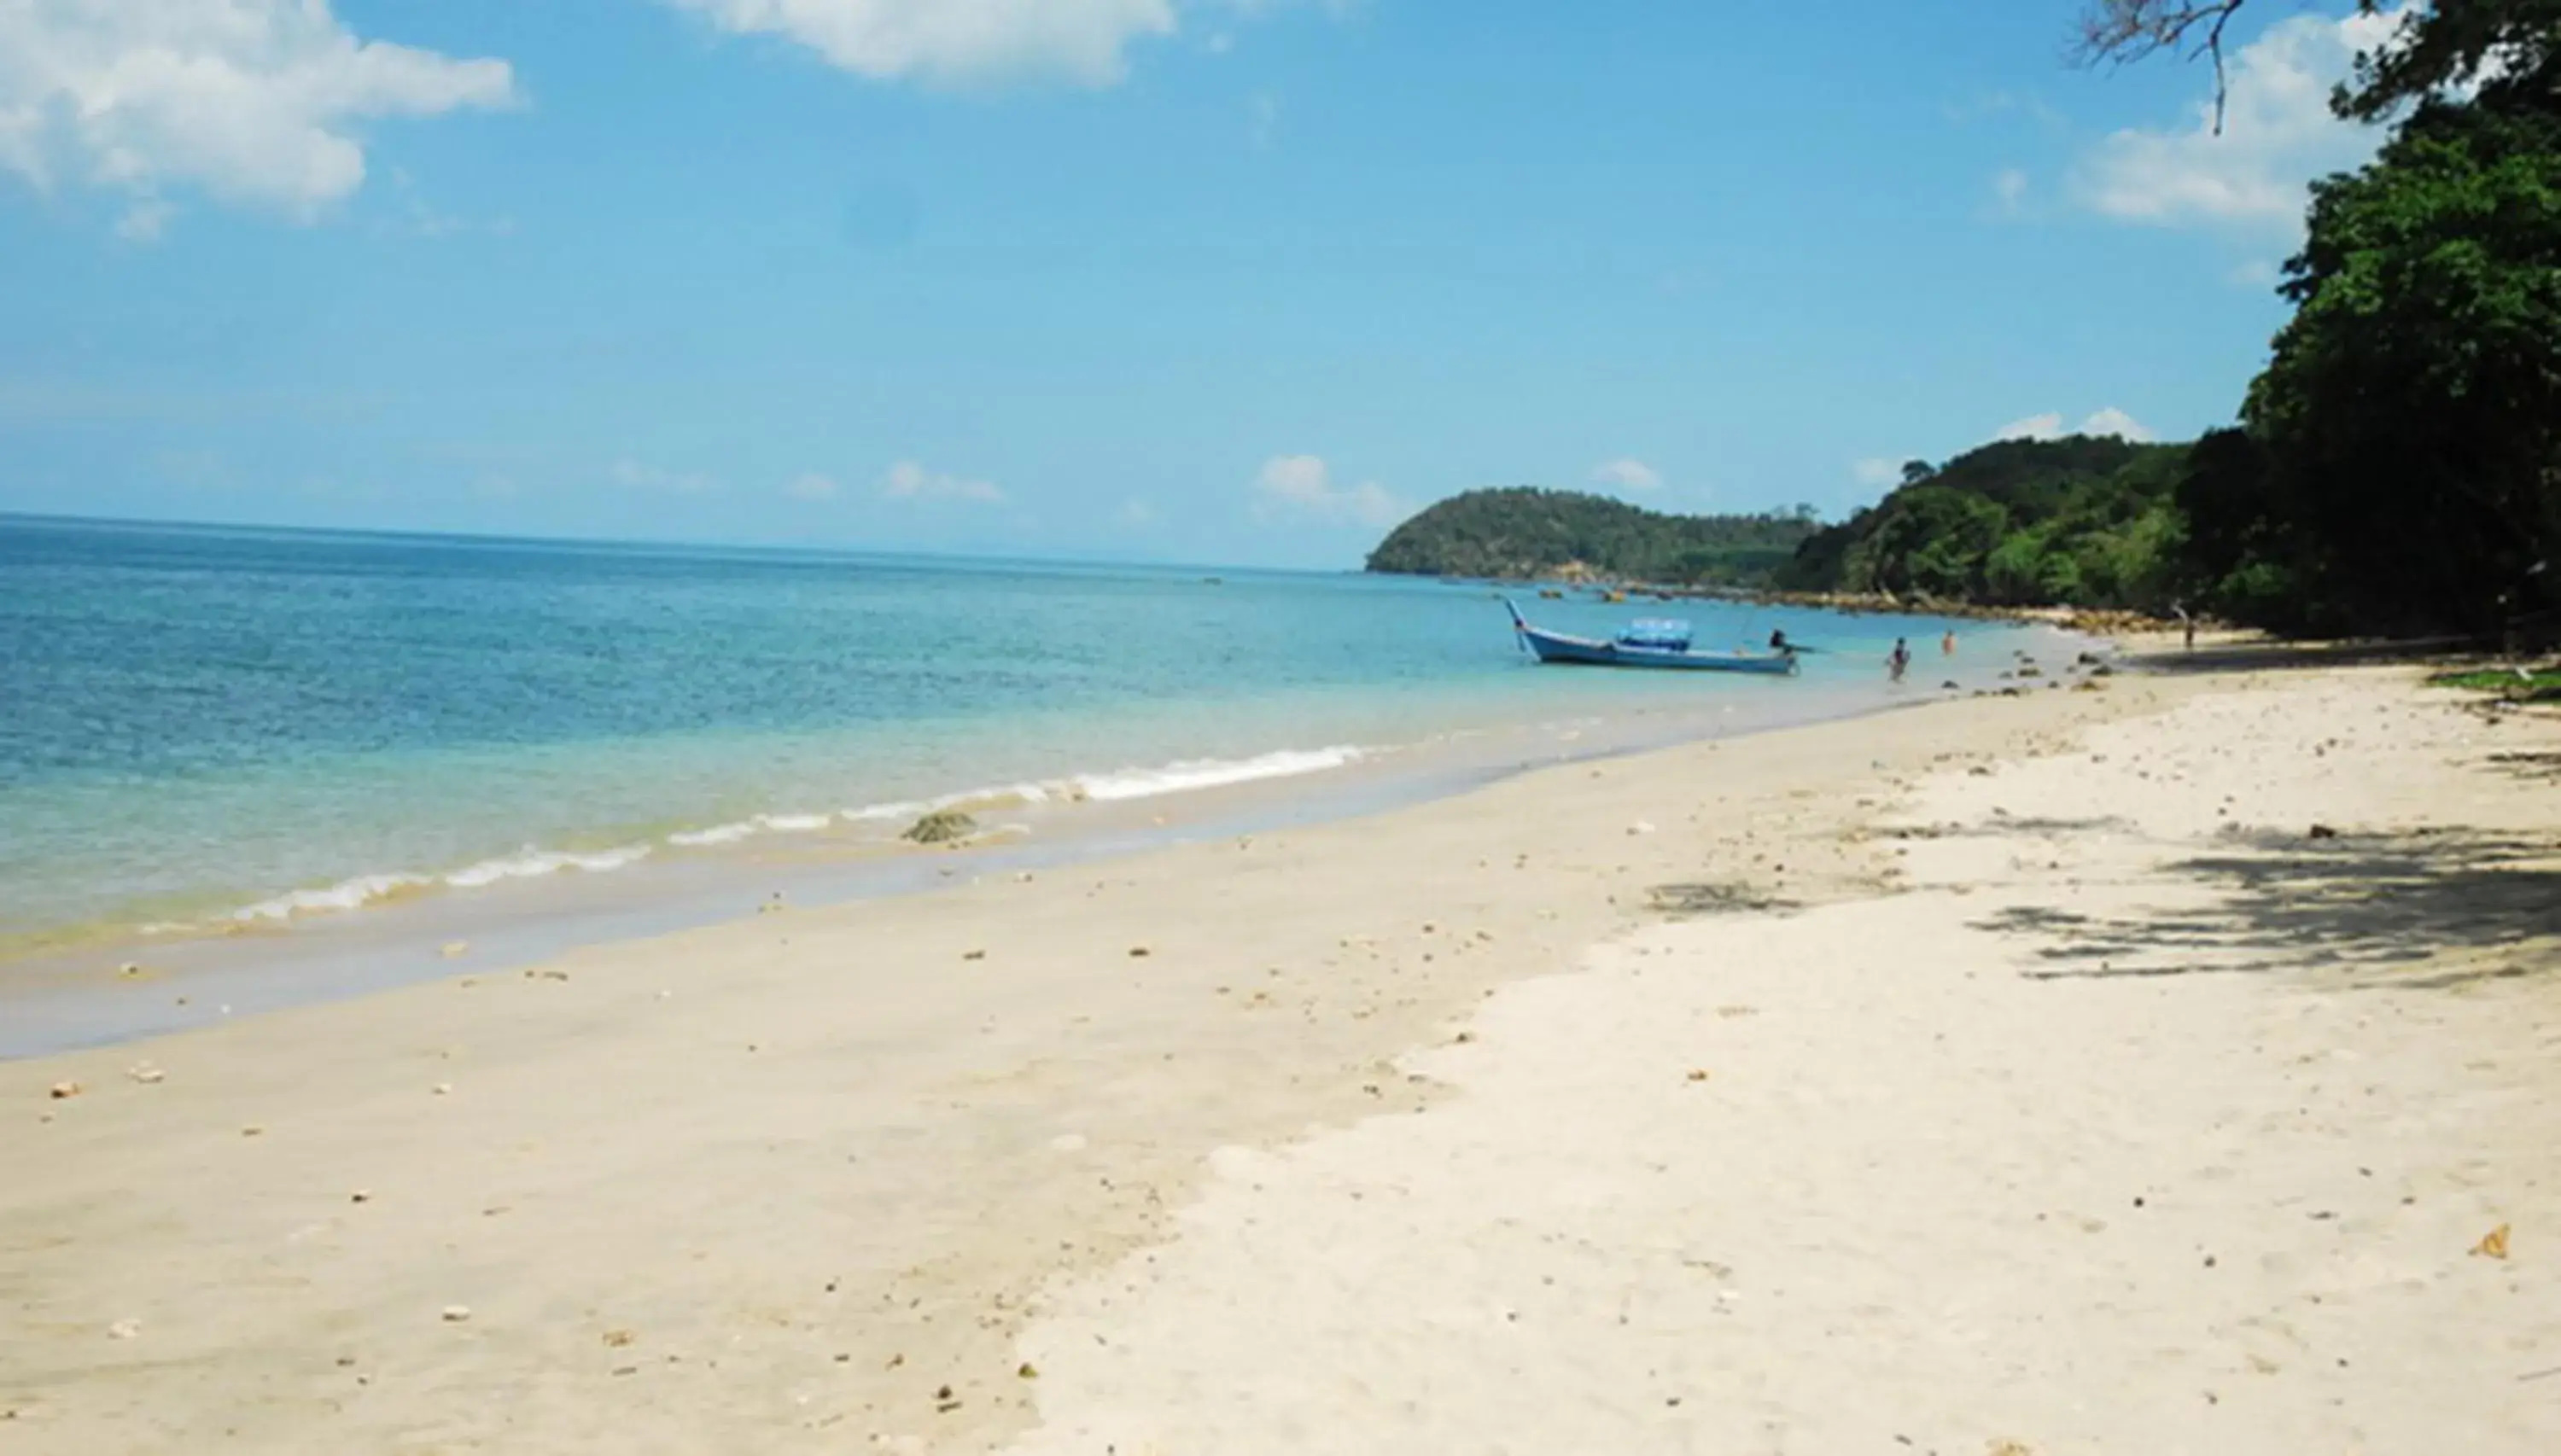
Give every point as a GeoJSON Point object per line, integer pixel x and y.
{"type": "Point", "coordinates": [1875, 472]}
{"type": "Point", "coordinates": [2278, 135]}
{"type": "Point", "coordinates": [257, 101]}
{"type": "Point", "coordinates": [956, 41]}
{"type": "Point", "coordinates": [2116, 422]}
{"type": "Point", "coordinates": [1138, 513]}
{"type": "Point", "coordinates": [909, 481]}
{"type": "Point", "coordinates": [1624, 474]}
{"type": "Point", "coordinates": [2033, 427]}
{"type": "Point", "coordinates": [2049, 427]}
{"type": "Point", "coordinates": [812, 487]}
{"type": "Point", "coordinates": [1302, 487]}
{"type": "Point", "coordinates": [977, 43]}
{"type": "Point", "coordinates": [2010, 189]}
{"type": "Point", "coordinates": [1262, 120]}
{"type": "Point", "coordinates": [144, 219]}
{"type": "Point", "coordinates": [639, 476]}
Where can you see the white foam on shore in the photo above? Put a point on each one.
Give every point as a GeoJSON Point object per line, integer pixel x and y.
{"type": "Point", "coordinates": [346, 894]}
{"type": "Point", "coordinates": [360, 891]}
{"type": "Point", "coordinates": [1208, 773]}
{"type": "Point", "coordinates": [721, 834]}
{"type": "Point", "coordinates": [531, 863]}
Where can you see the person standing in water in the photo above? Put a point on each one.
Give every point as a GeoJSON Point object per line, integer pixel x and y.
{"type": "Point", "coordinates": [1947, 643]}
{"type": "Point", "coordinates": [1898, 660]}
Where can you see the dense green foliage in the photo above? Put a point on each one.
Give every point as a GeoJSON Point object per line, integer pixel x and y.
{"type": "Point", "coordinates": [2407, 433]}
{"type": "Point", "coordinates": [1524, 532]}
{"type": "Point", "coordinates": [2086, 520]}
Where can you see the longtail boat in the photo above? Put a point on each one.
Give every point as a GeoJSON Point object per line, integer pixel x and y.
{"type": "Point", "coordinates": [1653, 643]}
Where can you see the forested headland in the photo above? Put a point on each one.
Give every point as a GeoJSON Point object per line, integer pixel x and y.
{"type": "Point", "coordinates": [1523, 532]}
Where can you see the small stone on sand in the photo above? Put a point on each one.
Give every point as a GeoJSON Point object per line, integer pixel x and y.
{"type": "Point", "coordinates": [144, 1073]}
{"type": "Point", "coordinates": [456, 949]}
{"type": "Point", "coordinates": [455, 1314]}
{"type": "Point", "coordinates": [64, 1091]}
{"type": "Point", "coordinates": [124, 1330]}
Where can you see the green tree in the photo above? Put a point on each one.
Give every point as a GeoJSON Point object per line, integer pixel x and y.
{"type": "Point", "coordinates": [2411, 413]}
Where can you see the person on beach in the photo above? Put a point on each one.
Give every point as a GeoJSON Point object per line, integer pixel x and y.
{"type": "Point", "coordinates": [1779, 640]}
{"type": "Point", "coordinates": [2187, 626]}
{"type": "Point", "coordinates": [1898, 660]}
{"type": "Point", "coordinates": [1947, 643]}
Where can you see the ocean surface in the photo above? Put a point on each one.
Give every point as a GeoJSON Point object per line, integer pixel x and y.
{"type": "Point", "coordinates": [203, 730]}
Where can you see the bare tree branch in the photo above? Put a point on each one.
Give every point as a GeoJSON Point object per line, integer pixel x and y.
{"type": "Point", "coordinates": [2120, 32]}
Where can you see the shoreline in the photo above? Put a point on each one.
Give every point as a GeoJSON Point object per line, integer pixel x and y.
{"type": "Point", "coordinates": [387, 929]}
{"type": "Point", "coordinates": [835, 1178]}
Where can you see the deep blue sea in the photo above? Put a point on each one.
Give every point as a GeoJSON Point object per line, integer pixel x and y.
{"type": "Point", "coordinates": [203, 728]}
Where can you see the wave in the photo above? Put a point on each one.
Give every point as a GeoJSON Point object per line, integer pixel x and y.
{"type": "Point", "coordinates": [364, 889]}
{"type": "Point", "coordinates": [1208, 773]}
{"type": "Point", "coordinates": [346, 894]}
{"type": "Point", "coordinates": [721, 834]}
{"type": "Point", "coordinates": [532, 862]}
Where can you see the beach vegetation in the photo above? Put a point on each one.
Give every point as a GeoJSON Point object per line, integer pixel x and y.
{"type": "Point", "coordinates": [2514, 684]}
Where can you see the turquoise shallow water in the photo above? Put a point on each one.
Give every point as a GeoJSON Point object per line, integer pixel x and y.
{"type": "Point", "coordinates": [201, 725]}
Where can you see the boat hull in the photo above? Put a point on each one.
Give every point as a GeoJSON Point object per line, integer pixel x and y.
{"type": "Point", "coordinates": [1591, 652]}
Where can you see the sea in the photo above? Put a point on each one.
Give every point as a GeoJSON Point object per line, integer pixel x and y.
{"type": "Point", "coordinates": [232, 746]}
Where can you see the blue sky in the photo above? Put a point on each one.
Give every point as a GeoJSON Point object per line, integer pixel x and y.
{"type": "Point", "coordinates": [1215, 281]}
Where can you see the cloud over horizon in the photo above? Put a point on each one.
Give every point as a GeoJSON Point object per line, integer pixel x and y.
{"type": "Point", "coordinates": [908, 481]}
{"type": "Point", "coordinates": [1627, 475]}
{"type": "Point", "coordinates": [2049, 427]}
{"type": "Point", "coordinates": [1301, 487]}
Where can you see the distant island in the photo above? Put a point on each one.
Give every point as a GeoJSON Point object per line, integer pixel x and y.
{"type": "Point", "coordinates": [2083, 521]}
{"type": "Point", "coordinates": [1523, 533]}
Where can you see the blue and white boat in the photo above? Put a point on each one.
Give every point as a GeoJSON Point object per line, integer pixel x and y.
{"type": "Point", "coordinates": [1655, 642]}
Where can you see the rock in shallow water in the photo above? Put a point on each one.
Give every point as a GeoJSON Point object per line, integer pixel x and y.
{"type": "Point", "coordinates": [942, 826]}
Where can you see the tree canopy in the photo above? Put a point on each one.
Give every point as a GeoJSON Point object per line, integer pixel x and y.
{"type": "Point", "coordinates": [2083, 521]}
{"type": "Point", "coordinates": [2407, 427]}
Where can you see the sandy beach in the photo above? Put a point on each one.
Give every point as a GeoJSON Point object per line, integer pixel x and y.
{"type": "Point", "coordinates": [2163, 1067]}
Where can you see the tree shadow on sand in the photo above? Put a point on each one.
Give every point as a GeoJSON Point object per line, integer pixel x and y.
{"type": "Point", "coordinates": [2382, 909]}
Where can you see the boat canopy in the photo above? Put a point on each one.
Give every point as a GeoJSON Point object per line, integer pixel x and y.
{"type": "Point", "coordinates": [1662, 634]}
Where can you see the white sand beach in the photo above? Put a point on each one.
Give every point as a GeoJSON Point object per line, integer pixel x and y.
{"type": "Point", "coordinates": [2015, 1075]}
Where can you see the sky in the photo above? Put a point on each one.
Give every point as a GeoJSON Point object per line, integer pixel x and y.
{"type": "Point", "coordinates": [1230, 282]}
